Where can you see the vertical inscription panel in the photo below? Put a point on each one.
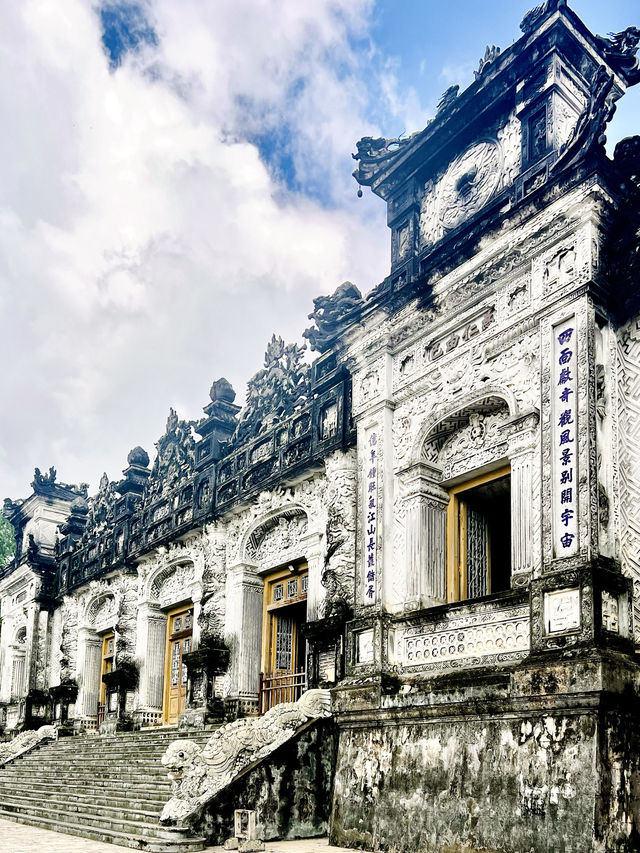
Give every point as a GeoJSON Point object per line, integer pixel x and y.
{"type": "Point", "coordinates": [564, 424]}
{"type": "Point", "coordinates": [371, 514]}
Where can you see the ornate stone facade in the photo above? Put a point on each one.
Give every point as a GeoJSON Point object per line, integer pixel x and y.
{"type": "Point", "coordinates": [437, 518]}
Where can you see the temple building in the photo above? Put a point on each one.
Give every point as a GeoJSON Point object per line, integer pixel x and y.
{"type": "Point", "coordinates": [437, 520]}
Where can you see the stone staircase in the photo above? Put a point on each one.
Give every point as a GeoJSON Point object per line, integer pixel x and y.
{"type": "Point", "coordinates": [109, 788]}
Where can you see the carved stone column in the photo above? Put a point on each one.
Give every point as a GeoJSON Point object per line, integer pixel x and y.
{"type": "Point", "coordinates": [312, 547]}
{"type": "Point", "coordinates": [89, 646]}
{"type": "Point", "coordinates": [152, 627]}
{"type": "Point", "coordinates": [425, 536]}
{"type": "Point", "coordinates": [522, 435]}
{"type": "Point", "coordinates": [243, 634]}
{"type": "Point", "coordinates": [42, 657]}
{"type": "Point", "coordinates": [196, 596]}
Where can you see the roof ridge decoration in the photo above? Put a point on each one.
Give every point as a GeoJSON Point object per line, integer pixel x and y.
{"type": "Point", "coordinates": [536, 16]}
{"type": "Point", "coordinates": [621, 51]}
{"type": "Point", "coordinates": [332, 314]}
{"type": "Point", "coordinates": [275, 391]}
{"type": "Point", "coordinates": [175, 459]}
{"type": "Point", "coordinates": [101, 509]}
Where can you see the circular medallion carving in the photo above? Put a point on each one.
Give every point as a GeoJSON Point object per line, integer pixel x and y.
{"type": "Point", "coordinates": [469, 182]}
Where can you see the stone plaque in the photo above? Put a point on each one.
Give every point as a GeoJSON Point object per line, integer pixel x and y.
{"type": "Point", "coordinates": [610, 612]}
{"type": "Point", "coordinates": [562, 611]}
{"type": "Point", "coordinates": [364, 646]}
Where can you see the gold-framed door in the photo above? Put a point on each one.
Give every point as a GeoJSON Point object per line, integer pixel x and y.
{"type": "Point", "coordinates": [108, 656]}
{"type": "Point", "coordinates": [179, 641]}
{"type": "Point", "coordinates": [283, 646]}
{"type": "Point", "coordinates": [466, 578]}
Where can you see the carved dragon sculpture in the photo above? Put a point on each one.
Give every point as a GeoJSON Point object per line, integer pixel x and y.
{"type": "Point", "coordinates": [332, 314]}
{"type": "Point", "coordinates": [25, 742]}
{"type": "Point", "coordinates": [199, 773]}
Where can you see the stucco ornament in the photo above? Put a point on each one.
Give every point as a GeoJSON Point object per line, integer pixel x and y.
{"type": "Point", "coordinates": [467, 185]}
{"type": "Point", "coordinates": [25, 742]}
{"type": "Point", "coordinates": [199, 774]}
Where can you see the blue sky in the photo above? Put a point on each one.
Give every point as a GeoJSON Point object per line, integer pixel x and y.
{"type": "Point", "coordinates": [175, 185]}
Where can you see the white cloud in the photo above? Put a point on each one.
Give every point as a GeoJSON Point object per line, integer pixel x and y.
{"type": "Point", "coordinates": [145, 247]}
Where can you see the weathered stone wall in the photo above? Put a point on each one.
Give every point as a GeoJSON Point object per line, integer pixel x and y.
{"type": "Point", "coordinates": [512, 783]}
{"type": "Point", "coordinates": [290, 792]}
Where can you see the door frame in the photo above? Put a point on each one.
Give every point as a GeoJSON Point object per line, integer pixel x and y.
{"type": "Point", "coordinates": [169, 639]}
{"type": "Point", "coordinates": [270, 608]}
{"type": "Point", "coordinates": [456, 534]}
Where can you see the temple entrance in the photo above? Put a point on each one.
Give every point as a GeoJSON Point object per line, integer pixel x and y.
{"type": "Point", "coordinates": [283, 678]}
{"type": "Point", "coordinates": [179, 633]}
{"type": "Point", "coordinates": [106, 665]}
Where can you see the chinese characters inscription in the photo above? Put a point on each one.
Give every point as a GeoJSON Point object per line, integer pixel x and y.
{"type": "Point", "coordinates": [564, 430]}
{"type": "Point", "coordinates": [371, 515]}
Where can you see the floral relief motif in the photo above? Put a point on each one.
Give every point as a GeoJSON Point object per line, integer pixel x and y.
{"type": "Point", "coordinates": [276, 539]}
{"type": "Point", "coordinates": [629, 469]}
{"type": "Point", "coordinates": [307, 496]}
{"type": "Point", "coordinates": [69, 638]}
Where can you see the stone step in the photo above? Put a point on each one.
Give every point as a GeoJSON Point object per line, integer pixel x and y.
{"type": "Point", "coordinates": [108, 788]}
{"type": "Point", "coordinates": [138, 842]}
{"type": "Point", "coordinates": [87, 759]}
{"type": "Point", "coordinates": [74, 744]}
{"type": "Point", "coordinates": [88, 775]}
{"type": "Point", "coordinates": [146, 802]}
{"type": "Point", "coordinates": [98, 789]}
{"type": "Point", "coordinates": [108, 809]}
{"type": "Point", "coordinates": [113, 824]}
{"type": "Point", "coordinates": [154, 767]}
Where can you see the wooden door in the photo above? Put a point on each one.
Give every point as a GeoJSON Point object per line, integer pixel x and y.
{"type": "Point", "coordinates": [283, 677]}
{"type": "Point", "coordinates": [179, 633]}
{"type": "Point", "coordinates": [108, 655]}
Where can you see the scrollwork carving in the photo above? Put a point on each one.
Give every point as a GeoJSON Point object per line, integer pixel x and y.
{"type": "Point", "coordinates": [199, 773]}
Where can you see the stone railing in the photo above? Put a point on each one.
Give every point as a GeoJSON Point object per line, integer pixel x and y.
{"type": "Point", "coordinates": [467, 635]}
{"type": "Point", "coordinates": [199, 773]}
{"type": "Point", "coordinates": [25, 742]}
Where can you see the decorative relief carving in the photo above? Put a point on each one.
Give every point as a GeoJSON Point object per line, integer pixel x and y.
{"type": "Point", "coordinates": [69, 638]}
{"type": "Point", "coordinates": [629, 468]}
{"type": "Point", "coordinates": [307, 497]}
{"type": "Point", "coordinates": [510, 140]}
{"type": "Point", "coordinates": [478, 637]}
{"type": "Point", "coordinates": [269, 544]}
{"type": "Point", "coordinates": [172, 584]}
{"type": "Point", "coordinates": [559, 267]}
{"type": "Point", "coordinates": [466, 186]}
{"type": "Point", "coordinates": [101, 612]}
{"type": "Point", "coordinates": [212, 605]}
{"type": "Point", "coordinates": [367, 388]}
{"type": "Point", "coordinates": [340, 555]}
{"type": "Point", "coordinates": [483, 431]}
{"type": "Point", "coordinates": [461, 335]}
{"type": "Point", "coordinates": [25, 742]}
{"type": "Point", "coordinates": [126, 600]}
{"type": "Point", "coordinates": [199, 774]}
{"type": "Point", "coordinates": [516, 367]}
